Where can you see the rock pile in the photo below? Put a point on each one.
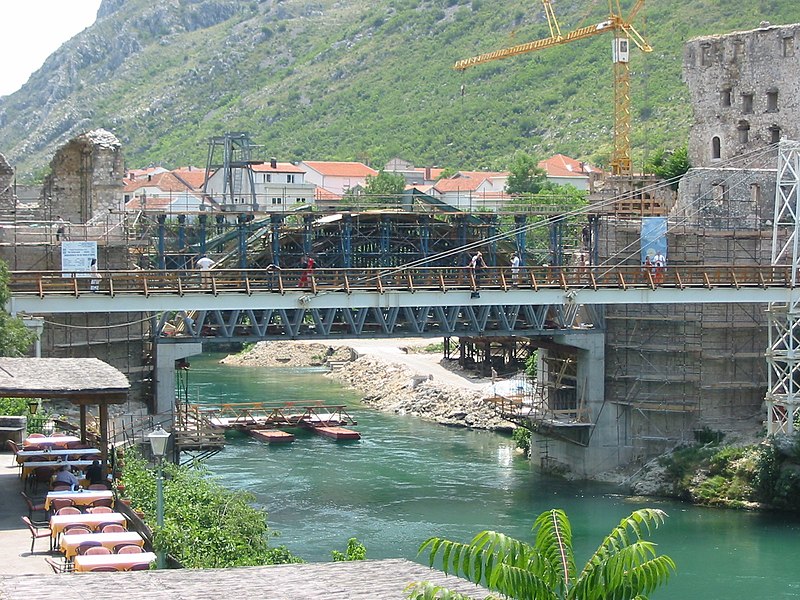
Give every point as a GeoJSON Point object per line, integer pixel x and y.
{"type": "Point", "coordinates": [289, 354]}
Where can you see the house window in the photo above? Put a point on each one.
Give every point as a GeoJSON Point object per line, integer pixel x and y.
{"type": "Point", "coordinates": [300, 200]}
{"type": "Point", "coordinates": [267, 177]}
{"type": "Point", "coordinates": [290, 178]}
{"type": "Point", "coordinates": [738, 49]}
{"type": "Point", "coordinates": [744, 132]}
{"type": "Point", "coordinates": [706, 58]}
{"type": "Point", "coordinates": [772, 101]}
{"type": "Point", "coordinates": [716, 151]}
{"type": "Point", "coordinates": [725, 97]}
{"type": "Point", "coordinates": [277, 201]}
{"type": "Point", "coordinates": [788, 46]}
{"type": "Point", "coordinates": [774, 134]}
{"type": "Point", "coordinates": [747, 104]}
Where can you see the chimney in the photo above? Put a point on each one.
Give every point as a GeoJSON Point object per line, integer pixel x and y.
{"type": "Point", "coordinates": [273, 163]}
{"type": "Point", "coordinates": [427, 173]}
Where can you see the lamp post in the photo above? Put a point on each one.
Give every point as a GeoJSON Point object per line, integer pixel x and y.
{"type": "Point", "coordinates": [158, 444]}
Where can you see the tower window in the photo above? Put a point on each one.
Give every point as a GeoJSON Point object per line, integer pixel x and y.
{"type": "Point", "coordinates": [774, 134]}
{"type": "Point", "coordinates": [706, 57]}
{"type": "Point", "coordinates": [716, 151]}
{"type": "Point", "coordinates": [788, 46]}
{"type": "Point", "coordinates": [747, 104]}
{"type": "Point", "coordinates": [744, 132]}
{"type": "Point", "coordinates": [772, 101]}
{"type": "Point", "coordinates": [725, 97]}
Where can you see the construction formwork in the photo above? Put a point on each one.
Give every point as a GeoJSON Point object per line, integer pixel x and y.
{"type": "Point", "coordinates": [674, 369]}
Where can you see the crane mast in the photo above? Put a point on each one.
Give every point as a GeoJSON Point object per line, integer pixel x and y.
{"type": "Point", "coordinates": [624, 33]}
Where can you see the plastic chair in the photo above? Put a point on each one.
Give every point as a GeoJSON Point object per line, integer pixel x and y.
{"type": "Point", "coordinates": [69, 510]}
{"type": "Point", "coordinates": [102, 526]}
{"type": "Point", "coordinates": [59, 503]}
{"type": "Point", "coordinates": [76, 528]}
{"type": "Point", "coordinates": [38, 530]}
{"type": "Point", "coordinates": [59, 567]}
{"type": "Point", "coordinates": [127, 549]}
{"type": "Point", "coordinates": [104, 570]}
{"type": "Point", "coordinates": [84, 547]}
{"type": "Point", "coordinates": [97, 550]}
{"type": "Point", "coordinates": [102, 502]}
{"type": "Point", "coordinates": [98, 486]}
{"type": "Point", "coordinates": [12, 445]}
{"type": "Point", "coordinates": [140, 567]}
{"type": "Point", "coordinates": [96, 510]}
{"type": "Point", "coordinates": [113, 528]}
{"type": "Point", "coordinates": [32, 507]}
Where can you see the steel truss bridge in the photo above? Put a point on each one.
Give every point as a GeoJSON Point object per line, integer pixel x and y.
{"type": "Point", "coordinates": [247, 305]}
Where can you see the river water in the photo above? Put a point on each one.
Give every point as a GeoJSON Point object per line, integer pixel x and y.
{"type": "Point", "coordinates": [406, 480]}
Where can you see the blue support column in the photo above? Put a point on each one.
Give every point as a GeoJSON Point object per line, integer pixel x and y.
{"type": "Point", "coordinates": [594, 230]}
{"type": "Point", "coordinates": [491, 232]}
{"type": "Point", "coordinates": [461, 241]}
{"type": "Point", "coordinates": [308, 234]}
{"type": "Point", "coordinates": [275, 222]}
{"type": "Point", "coordinates": [202, 220]}
{"type": "Point", "coordinates": [182, 237]}
{"type": "Point", "coordinates": [347, 241]}
{"type": "Point", "coordinates": [385, 246]}
{"type": "Point", "coordinates": [556, 241]}
{"type": "Point", "coordinates": [241, 222]}
{"type": "Point", "coordinates": [521, 237]}
{"type": "Point", "coordinates": [162, 243]}
{"type": "Point", "coordinates": [424, 236]}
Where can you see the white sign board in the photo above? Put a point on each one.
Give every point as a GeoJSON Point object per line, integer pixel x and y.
{"type": "Point", "coordinates": [76, 258]}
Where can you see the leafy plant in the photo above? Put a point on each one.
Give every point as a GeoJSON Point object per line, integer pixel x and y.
{"type": "Point", "coordinates": [15, 338]}
{"type": "Point", "coordinates": [205, 525]}
{"type": "Point", "coordinates": [13, 406]}
{"type": "Point", "coordinates": [624, 566]}
{"type": "Point", "coordinates": [355, 551]}
{"type": "Point", "coordinates": [522, 438]}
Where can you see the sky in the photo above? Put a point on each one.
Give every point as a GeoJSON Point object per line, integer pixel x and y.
{"type": "Point", "coordinates": [33, 30]}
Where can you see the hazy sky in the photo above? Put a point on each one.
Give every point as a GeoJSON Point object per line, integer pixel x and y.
{"type": "Point", "coordinates": [33, 30]}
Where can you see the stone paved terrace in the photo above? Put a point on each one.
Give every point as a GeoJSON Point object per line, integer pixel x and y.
{"type": "Point", "coordinates": [26, 576]}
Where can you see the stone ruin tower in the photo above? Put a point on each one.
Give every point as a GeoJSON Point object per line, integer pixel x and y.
{"type": "Point", "coordinates": [6, 185]}
{"type": "Point", "coordinates": [85, 182]}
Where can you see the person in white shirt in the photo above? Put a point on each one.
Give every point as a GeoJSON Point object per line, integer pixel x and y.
{"type": "Point", "coordinates": [659, 265]}
{"type": "Point", "coordinates": [65, 475]}
{"type": "Point", "coordinates": [515, 269]}
{"type": "Point", "coordinates": [204, 264]}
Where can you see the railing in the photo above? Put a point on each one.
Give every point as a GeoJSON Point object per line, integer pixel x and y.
{"type": "Point", "coordinates": [442, 279]}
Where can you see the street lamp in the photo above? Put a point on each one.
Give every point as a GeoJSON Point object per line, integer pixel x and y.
{"type": "Point", "coordinates": [158, 444]}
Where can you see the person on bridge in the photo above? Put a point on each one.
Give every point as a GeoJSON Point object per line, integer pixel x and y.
{"type": "Point", "coordinates": [61, 229]}
{"type": "Point", "coordinates": [660, 265]}
{"type": "Point", "coordinates": [515, 269]}
{"type": "Point", "coordinates": [204, 264]}
{"type": "Point", "coordinates": [309, 269]}
{"type": "Point", "coordinates": [475, 266]}
{"type": "Point", "coordinates": [94, 282]}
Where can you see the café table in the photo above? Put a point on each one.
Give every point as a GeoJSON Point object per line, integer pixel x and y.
{"type": "Point", "coordinates": [121, 562]}
{"type": "Point", "coordinates": [50, 440]}
{"type": "Point", "coordinates": [58, 522]}
{"type": "Point", "coordinates": [58, 452]}
{"type": "Point", "coordinates": [30, 465]}
{"type": "Point", "coordinates": [80, 498]}
{"type": "Point", "coordinates": [70, 542]}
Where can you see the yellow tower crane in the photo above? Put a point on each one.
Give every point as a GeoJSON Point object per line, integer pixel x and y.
{"type": "Point", "coordinates": [623, 33]}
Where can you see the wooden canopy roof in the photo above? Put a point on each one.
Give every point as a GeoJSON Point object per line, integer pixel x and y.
{"type": "Point", "coordinates": [80, 380]}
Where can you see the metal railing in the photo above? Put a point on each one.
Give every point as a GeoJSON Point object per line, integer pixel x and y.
{"type": "Point", "coordinates": [443, 279]}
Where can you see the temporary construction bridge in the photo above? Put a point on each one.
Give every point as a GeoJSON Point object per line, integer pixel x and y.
{"type": "Point", "coordinates": [265, 422]}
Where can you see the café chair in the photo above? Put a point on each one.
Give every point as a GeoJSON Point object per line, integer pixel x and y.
{"type": "Point", "coordinates": [59, 503]}
{"type": "Point", "coordinates": [84, 547]}
{"type": "Point", "coordinates": [96, 510]}
{"type": "Point", "coordinates": [38, 530]}
{"type": "Point", "coordinates": [98, 486]}
{"type": "Point", "coordinates": [127, 548]}
{"type": "Point", "coordinates": [32, 507]}
{"type": "Point", "coordinates": [76, 528]}
{"type": "Point", "coordinates": [140, 567]}
{"type": "Point", "coordinates": [59, 567]}
{"type": "Point", "coordinates": [69, 510]}
{"type": "Point", "coordinates": [104, 570]}
{"type": "Point", "coordinates": [113, 528]}
{"type": "Point", "coordinates": [102, 502]}
{"type": "Point", "coordinates": [97, 550]}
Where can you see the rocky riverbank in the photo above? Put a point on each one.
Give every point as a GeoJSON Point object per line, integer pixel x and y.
{"type": "Point", "coordinates": [386, 383]}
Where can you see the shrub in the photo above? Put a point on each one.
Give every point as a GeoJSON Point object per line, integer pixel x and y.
{"type": "Point", "coordinates": [355, 551]}
{"type": "Point", "coordinates": [13, 407]}
{"type": "Point", "coordinates": [522, 437]}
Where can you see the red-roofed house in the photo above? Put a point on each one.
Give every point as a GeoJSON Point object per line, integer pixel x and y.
{"type": "Point", "coordinates": [563, 170]}
{"type": "Point", "coordinates": [337, 177]}
{"type": "Point", "coordinates": [270, 186]}
{"type": "Point", "coordinates": [474, 190]}
{"type": "Point", "coordinates": [413, 175]}
{"type": "Point", "coordinates": [164, 191]}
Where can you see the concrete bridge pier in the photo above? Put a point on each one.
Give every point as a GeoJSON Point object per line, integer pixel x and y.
{"type": "Point", "coordinates": [164, 374]}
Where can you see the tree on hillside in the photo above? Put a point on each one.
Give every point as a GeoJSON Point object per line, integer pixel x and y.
{"type": "Point", "coordinates": [624, 567]}
{"type": "Point", "coordinates": [384, 187]}
{"type": "Point", "coordinates": [15, 338]}
{"type": "Point", "coordinates": [525, 177]}
{"type": "Point", "coordinates": [671, 166]}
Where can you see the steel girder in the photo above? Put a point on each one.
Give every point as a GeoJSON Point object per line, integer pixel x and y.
{"type": "Point", "coordinates": [310, 323]}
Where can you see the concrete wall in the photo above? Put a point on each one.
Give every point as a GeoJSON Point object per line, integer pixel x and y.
{"type": "Point", "coordinates": [745, 90]}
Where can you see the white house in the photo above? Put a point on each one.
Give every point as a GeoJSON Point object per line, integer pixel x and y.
{"type": "Point", "coordinates": [165, 192]}
{"type": "Point", "coordinates": [474, 190]}
{"type": "Point", "coordinates": [337, 177]}
{"type": "Point", "coordinates": [563, 170]}
{"type": "Point", "coordinates": [271, 186]}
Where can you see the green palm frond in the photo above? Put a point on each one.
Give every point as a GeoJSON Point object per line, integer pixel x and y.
{"type": "Point", "coordinates": [554, 541]}
{"type": "Point", "coordinates": [424, 590]}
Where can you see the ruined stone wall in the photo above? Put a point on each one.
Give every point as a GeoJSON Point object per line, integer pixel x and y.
{"type": "Point", "coordinates": [6, 184]}
{"type": "Point", "coordinates": [86, 178]}
{"type": "Point", "coordinates": [745, 90]}
{"type": "Point", "coordinates": [673, 369]}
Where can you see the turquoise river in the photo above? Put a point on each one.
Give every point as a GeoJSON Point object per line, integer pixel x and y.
{"type": "Point", "coordinates": [407, 479]}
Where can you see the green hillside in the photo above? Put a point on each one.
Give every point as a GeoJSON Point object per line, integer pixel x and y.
{"type": "Point", "coordinates": [360, 80]}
